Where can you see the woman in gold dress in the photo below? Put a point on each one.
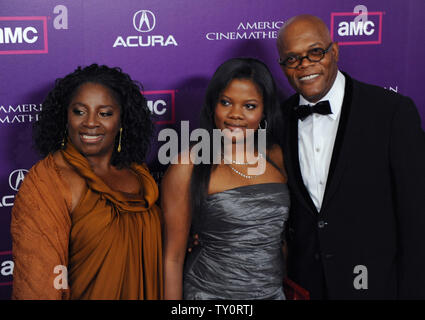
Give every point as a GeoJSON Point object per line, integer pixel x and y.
{"type": "Point", "coordinates": [85, 224]}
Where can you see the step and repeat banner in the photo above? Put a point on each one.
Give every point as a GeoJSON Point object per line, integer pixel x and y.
{"type": "Point", "coordinates": [173, 48]}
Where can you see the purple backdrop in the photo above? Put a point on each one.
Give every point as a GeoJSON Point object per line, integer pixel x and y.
{"type": "Point", "coordinates": [173, 48]}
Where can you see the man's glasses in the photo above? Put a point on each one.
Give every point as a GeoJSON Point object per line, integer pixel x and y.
{"type": "Point", "coordinates": [313, 55]}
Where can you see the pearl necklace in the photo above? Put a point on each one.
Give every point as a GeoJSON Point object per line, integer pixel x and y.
{"type": "Point", "coordinates": [240, 173]}
{"type": "Point", "coordinates": [260, 156]}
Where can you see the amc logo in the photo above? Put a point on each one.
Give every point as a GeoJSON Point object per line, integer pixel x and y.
{"type": "Point", "coordinates": [348, 29]}
{"type": "Point", "coordinates": [162, 105]}
{"type": "Point", "coordinates": [23, 35]}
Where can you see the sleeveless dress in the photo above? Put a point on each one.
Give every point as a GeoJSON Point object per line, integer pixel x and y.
{"type": "Point", "coordinates": [240, 252]}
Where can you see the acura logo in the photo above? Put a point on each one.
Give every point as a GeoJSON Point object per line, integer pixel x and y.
{"type": "Point", "coordinates": [144, 21]}
{"type": "Point", "coordinates": [16, 178]}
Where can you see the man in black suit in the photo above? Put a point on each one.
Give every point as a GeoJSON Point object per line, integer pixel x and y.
{"type": "Point", "coordinates": [356, 173]}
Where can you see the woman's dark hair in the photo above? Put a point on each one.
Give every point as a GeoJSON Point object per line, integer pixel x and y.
{"type": "Point", "coordinates": [50, 130]}
{"type": "Point", "coordinates": [236, 68]}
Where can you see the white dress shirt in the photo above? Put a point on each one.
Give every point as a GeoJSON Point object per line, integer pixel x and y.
{"type": "Point", "coordinates": [316, 138]}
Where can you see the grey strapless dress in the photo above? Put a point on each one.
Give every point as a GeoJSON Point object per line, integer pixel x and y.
{"type": "Point", "coordinates": [240, 252]}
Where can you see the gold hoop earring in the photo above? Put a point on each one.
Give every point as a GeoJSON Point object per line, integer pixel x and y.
{"type": "Point", "coordinates": [119, 141]}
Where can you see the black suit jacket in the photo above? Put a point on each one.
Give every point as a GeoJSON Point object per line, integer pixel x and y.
{"type": "Point", "coordinates": [371, 227]}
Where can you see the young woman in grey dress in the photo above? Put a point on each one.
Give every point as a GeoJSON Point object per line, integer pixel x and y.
{"type": "Point", "coordinates": [238, 217]}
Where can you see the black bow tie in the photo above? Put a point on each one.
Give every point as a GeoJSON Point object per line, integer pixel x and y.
{"type": "Point", "coordinates": [303, 111]}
